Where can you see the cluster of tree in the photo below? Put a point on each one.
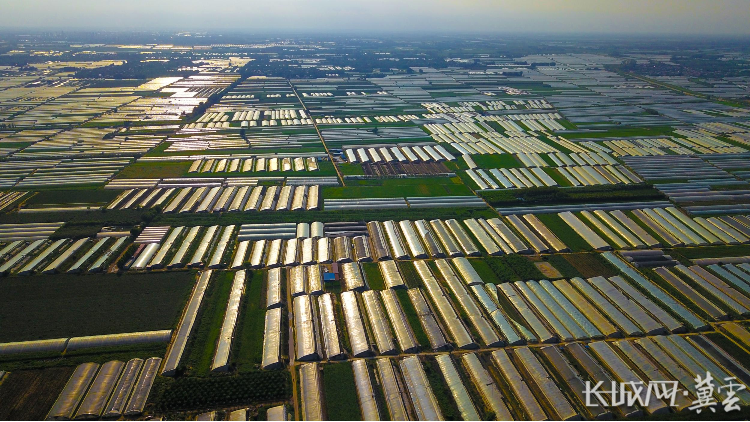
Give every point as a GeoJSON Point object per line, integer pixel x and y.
{"type": "Point", "coordinates": [708, 65]}
{"type": "Point", "coordinates": [263, 66]}
{"type": "Point", "coordinates": [192, 393]}
{"type": "Point", "coordinates": [214, 98]}
{"type": "Point", "coordinates": [201, 108]}
{"type": "Point", "coordinates": [698, 65]}
{"type": "Point", "coordinates": [135, 68]}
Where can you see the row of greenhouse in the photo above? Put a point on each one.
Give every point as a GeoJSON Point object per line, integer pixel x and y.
{"type": "Point", "coordinates": [27, 231]}
{"type": "Point", "coordinates": [283, 252]}
{"type": "Point", "coordinates": [452, 201]}
{"type": "Point", "coordinates": [520, 178]}
{"type": "Point", "coordinates": [495, 143]}
{"type": "Point", "coordinates": [540, 238]}
{"type": "Point", "coordinates": [254, 231]}
{"type": "Point", "coordinates": [561, 159]}
{"type": "Point", "coordinates": [253, 164]}
{"type": "Point", "coordinates": [461, 310]}
{"type": "Point", "coordinates": [393, 119]}
{"type": "Point", "coordinates": [210, 182]}
{"type": "Point", "coordinates": [60, 346]}
{"type": "Point", "coordinates": [510, 178]}
{"type": "Point", "coordinates": [250, 113]}
{"type": "Point", "coordinates": [185, 326]}
{"type": "Point", "coordinates": [249, 123]}
{"type": "Point", "coordinates": [7, 199]}
{"type": "Point", "coordinates": [44, 256]}
{"type": "Point", "coordinates": [286, 244]}
{"type": "Point", "coordinates": [317, 330]}
{"type": "Point", "coordinates": [605, 206]}
{"type": "Point", "coordinates": [291, 244]}
{"type": "Point", "coordinates": [647, 147]}
{"type": "Point", "coordinates": [193, 247]}
{"type": "Point", "coordinates": [524, 383]}
{"type": "Point", "coordinates": [441, 238]}
{"type": "Point", "coordinates": [508, 121]}
{"type": "Point", "coordinates": [206, 199]}
{"type": "Point", "coordinates": [540, 103]}
{"type": "Point", "coordinates": [719, 292]}
{"type": "Point", "coordinates": [401, 154]}
{"type": "Point", "coordinates": [673, 228]}
{"type": "Point", "coordinates": [598, 175]}
{"type": "Point", "coordinates": [539, 312]}
{"type": "Point", "coordinates": [111, 390]}
{"type": "Point", "coordinates": [36, 173]}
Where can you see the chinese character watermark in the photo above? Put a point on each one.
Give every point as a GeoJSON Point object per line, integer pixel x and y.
{"type": "Point", "coordinates": [639, 393]}
{"type": "Point", "coordinates": [704, 390]}
{"type": "Point", "coordinates": [730, 402]}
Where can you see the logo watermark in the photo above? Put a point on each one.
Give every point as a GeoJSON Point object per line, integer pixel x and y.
{"type": "Point", "coordinates": [639, 393]}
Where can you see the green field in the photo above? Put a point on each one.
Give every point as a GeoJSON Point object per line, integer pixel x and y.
{"type": "Point", "coordinates": [247, 350]}
{"type": "Point", "coordinates": [564, 232]}
{"type": "Point", "coordinates": [155, 170]}
{"type": "Point", "coordinates": [622, 132]}
{"type": "Point", "coordinates": [350, 169]}
{"type": "Point", "coordinates": [590, 265]}
{"type": "Point", "coordinates": [563, 266]}
{"type": "Point", "coordinates": [412, 317]}
{"type": "Point", "coordinates": [712, 251]}
{"type": "Point", "coordinates": [557, 177]}
{"type": "Point", "coordinates": [196, 393]}
{"type": "Point", "coordinates": [441, 391]}
{"type": "Point", "coordinates": [498, 272]}
{"type": "Point", "coordinates": [676, 293]}
{"type": "Point", "coordinates": [373, 275]}
{"type": "Point", "coordinates": [496, 161]}
{"type": "Point", "coordinates": [54, 306]}
{"type": "Point", "coordinates": [325, 168]}
{"type": "Point", "coordinates": [73, 196]}
{"type": "Point", "coordinates": [521, 266]}
{"type": "Point", "coordinates": [559, 196]}
{"type": "Point", "coordinates": [105, 218]}
{"type": "Point", "coordinates": [202, 344]}
{"type": "Point", "coordinates": [340, 392]}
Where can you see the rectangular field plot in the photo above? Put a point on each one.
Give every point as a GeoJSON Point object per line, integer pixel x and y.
{"type": "Point", "coordinates": [28, 395]}
{"type": "Point", "coordinates": [58, 306]}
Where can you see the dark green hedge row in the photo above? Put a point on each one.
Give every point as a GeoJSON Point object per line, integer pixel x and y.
{"type": "Point", "coordinates": [193, 393]}
{"type": "Point", "coordinates": [556, 195]}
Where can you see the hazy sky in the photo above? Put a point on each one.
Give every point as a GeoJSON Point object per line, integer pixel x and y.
{"type": "Point", "coordinates": [615, 16]}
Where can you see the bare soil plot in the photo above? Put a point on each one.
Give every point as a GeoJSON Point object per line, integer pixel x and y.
{"type": "Point", "coordinates": [29, 394]}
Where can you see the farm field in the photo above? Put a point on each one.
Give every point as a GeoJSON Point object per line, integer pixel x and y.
{"type": "Point", "coordinates": [250, 326]}
{"type": "Point", "coordinates": [220, 225]}
{"type": "Point", "coordinates": [28, 394]}
{"type": "Point", "coordinates": [64, 305]}
{"type": "Point", "coordinates": [341, 392]}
